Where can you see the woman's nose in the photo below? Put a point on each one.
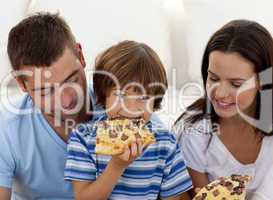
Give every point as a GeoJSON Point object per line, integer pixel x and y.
{"type": "Point", "coordinates": [221, 91]}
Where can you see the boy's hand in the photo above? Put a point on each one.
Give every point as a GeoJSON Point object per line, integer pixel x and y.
{"type": "Point", "coordinates": [129, 155]}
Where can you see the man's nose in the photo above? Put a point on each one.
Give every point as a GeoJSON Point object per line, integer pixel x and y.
{"type": "Point", "coordinates": [68, 98]}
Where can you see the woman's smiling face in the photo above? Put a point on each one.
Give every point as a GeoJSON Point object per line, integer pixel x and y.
{"type": "Point", "coordinates": [227, 73]}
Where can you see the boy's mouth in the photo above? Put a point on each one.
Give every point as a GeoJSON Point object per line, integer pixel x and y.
{"type": "Point", "coordinates": [223, 105]}
{"type": "Point", "coordinates": [126, 117]}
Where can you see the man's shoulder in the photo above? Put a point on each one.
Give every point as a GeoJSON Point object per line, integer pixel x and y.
{"type": "Point", "coordinates": [13, 116]}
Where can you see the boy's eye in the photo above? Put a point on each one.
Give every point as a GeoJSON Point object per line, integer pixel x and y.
{"type": "Point", "coordinates": [119, 93]}
{"type": "Point", "coordinates": [144, 98]}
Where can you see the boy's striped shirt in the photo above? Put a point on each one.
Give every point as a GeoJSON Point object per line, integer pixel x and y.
{"type": "Point", "coordinates": [159, 171]}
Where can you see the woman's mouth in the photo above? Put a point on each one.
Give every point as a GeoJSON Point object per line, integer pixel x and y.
{"type": "Point", "coordinates": [223, 104]}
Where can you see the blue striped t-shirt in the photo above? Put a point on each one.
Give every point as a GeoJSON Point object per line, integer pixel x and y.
{"type": "Point", "coordinates": [159, 171]}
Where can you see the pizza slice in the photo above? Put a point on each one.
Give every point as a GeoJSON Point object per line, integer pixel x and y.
{"type": "Point", "coordinates": [228, 188]}
{"type": "Point", "coordinates": [113, 135]}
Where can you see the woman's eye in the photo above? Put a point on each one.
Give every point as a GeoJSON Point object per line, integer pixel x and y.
{"type": "Point", "coordinates": [236, 85]}
{"type": "Point", "coordinates": [213, 79]}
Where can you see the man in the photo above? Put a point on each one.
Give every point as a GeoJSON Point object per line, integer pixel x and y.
{"type": "Point", "coordinates": [48, 65]}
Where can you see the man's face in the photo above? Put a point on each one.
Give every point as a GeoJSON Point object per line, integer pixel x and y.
{"type": "Point", "coordinates": [60, 89]}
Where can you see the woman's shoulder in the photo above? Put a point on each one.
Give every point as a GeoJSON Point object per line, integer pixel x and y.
{"type": "Point", "coordinates": [193, 137]}
{"type": "Point", "coordinates": [267, 147]}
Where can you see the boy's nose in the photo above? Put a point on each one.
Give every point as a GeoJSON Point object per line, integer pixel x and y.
{"type": "Point", "coordinates": [133, 108]}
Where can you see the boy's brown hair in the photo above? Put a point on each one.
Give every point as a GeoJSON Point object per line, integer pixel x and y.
{"type": "Point", "coordinates": [39, 40]}
{"type": "Point", "coordinates": [128, 62]}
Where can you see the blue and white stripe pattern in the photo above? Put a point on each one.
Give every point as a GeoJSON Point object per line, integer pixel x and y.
{"type": "Point", "coordinates": [159, 171]}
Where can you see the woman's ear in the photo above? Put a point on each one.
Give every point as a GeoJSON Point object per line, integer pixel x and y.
{"type": "Point", "coordinates": [78, 48]}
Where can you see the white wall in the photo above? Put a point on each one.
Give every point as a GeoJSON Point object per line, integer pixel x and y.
{"type": "Point", "coordinates": [176, 17]}
{"type": "Point", "coordinates": [97, 24]}
{"type": "Point", "coordinates": [204, 17]}
{"type": "Point", "coordinates": [177, 29]}
{"type": "Point", "coordinates": [10, 13]}
{"type": "Point", "coordinates": [100, 24]}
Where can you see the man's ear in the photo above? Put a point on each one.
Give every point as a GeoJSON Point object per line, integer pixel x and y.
{"type": "Point", "coordinates": [78, 48]}
{"type": "Point", "coordinates": [20, 81]}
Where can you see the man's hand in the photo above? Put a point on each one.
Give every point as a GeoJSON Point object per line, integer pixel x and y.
{"type": "Point", "coordinates": [5, 193]}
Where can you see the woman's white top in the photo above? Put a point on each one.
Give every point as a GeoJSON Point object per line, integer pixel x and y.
{"type": "Point", "coordinates": [204, 152]}
{"type": "Point", "coordinates": [265, 190]}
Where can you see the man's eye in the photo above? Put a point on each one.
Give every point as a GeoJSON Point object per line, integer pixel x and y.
{"type": "Point", "coordinates": [47, 91]}
{"type": "Point", "coordinates": [73, 80]}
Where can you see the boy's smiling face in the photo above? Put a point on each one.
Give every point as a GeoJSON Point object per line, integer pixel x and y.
{"type": "Point", "coordinates": [128, 103]}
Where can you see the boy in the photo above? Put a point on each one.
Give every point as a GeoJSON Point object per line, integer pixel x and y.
{"type": "Point", "coordinates": [129, 82]}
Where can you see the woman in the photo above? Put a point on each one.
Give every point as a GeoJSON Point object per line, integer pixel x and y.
{"type": "Point", "coordinates": [217, 135]}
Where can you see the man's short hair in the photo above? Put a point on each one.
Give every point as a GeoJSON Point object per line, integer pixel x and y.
{"type": "Point", "coordinates": [39, 40]}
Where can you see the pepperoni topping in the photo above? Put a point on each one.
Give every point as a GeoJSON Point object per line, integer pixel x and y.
{"type": "Point", "coordinates": [124, 137]}
{"type": "Point", "coordinates": [119, 128]}
{"type": "Point", "coordinates": [137, 135]}
{"type": "Point", "coordinates": [113, 134]}
{"type": "Point", "coordinates": [216, 193]}
{"type": "Point", "coordinates": [229, 185]}
{"type": "Point", "coordinates": [203, 196]}
{"type": "Point", "coordinates": [237, 190]}
{"type": "Point", "coordinates": [209, 187]}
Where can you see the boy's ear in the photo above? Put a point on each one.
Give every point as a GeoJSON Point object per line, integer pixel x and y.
{"type": "Point", "coordinates": [20, 82]}
{"type": "Point", "coordinates": [78, 48]}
